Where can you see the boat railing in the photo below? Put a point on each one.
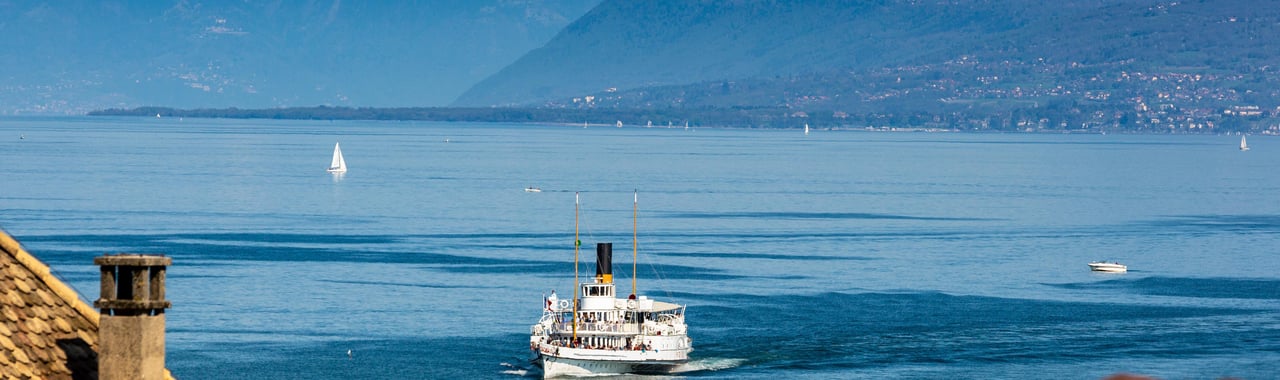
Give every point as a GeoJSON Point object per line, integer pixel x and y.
{"type": "Point", "coordinates": [665, 327]}
{"type": "Point", "coordinates": [608, 327]}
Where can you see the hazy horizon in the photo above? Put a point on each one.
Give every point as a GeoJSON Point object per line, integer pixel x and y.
{"type": "Point", "coordinates": [76, 56]}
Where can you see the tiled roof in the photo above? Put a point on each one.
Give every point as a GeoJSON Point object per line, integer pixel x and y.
{"type": "Point", "coordinates": [46, 330]}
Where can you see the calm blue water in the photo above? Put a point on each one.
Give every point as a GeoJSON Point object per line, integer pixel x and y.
{"type": "Point", "coordinates": [836, 255]}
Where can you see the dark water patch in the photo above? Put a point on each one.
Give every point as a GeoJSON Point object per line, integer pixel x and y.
{"type": "Point", "coordinates": [204, 248]}
{"type": "Point", "coordinates": [837, 330]}
{"type": "Point", "coordinates": [807, 215]}
{"type": "Point", "coordinates": [524, 247]}
{"type": "Point", "coordinates": [333, 248]}
{"type": "Point", "coordinates": [749, 236]}
{"type": "Point", "coordinates": [498, 236]}
{"type": "Point", "coordinates": [1218, 223]}
{"type": "Point", "coordinates": [381, 283]}
{"type": "Point", "coordinates": [1189, 287]}
{"type": "Point", "coordinates": [719, 255]}
{"type": "Point", "coordinates": [210, 251]}
{"type": "Point", "coordinates": [532, 268]}
{"type": "Point", "coordinates": [140, 240]}
{"type": "Point", "coordinates": [280, 238]}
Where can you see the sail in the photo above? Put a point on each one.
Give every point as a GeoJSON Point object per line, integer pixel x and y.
{"type": "Point", "coordinates": [1243, 144]}
{"type": "Point", "coordinates": [338, 164]}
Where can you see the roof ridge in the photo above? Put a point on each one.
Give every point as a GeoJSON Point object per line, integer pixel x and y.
{"type": "Point", "coordinates": [42, 272]}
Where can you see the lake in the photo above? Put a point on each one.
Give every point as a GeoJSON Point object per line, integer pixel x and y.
{"type": "Point", "coordinates": [839, 254]}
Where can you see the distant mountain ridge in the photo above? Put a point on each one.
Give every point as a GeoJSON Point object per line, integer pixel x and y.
{"type": "Point", "coordinates": [772, 53]}
{"type": "Point", "coordinates": [77, 55]}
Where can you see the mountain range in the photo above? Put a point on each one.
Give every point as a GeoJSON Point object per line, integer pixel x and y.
{"type": "Point", "coordinates": [1156, 65]}
{"type": "Point", "coordinates": [889, 56]}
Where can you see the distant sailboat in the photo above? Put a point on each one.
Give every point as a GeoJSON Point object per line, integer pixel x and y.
{"type": "Point", "coordinates": [806, 129]}
{"type": "Point", "coordinates": [338, 165]}
{"type": "Point", "coordinates": [619, 123]}
{"type": "Point", "coordinates": [1244, 146]}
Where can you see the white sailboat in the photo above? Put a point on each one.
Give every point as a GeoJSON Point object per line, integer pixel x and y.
{"type": "Point", "coordinates": [338, 165]}
{"type": "Point", "coordinates": [1244, 145]}
{"type": "Point", "coordinates": [806, 129]}
{"type": "Point", "coordinates": [597, 333]}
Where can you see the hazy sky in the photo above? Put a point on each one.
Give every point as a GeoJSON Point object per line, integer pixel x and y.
{"type": "Point", "coordinates": [75, 56]}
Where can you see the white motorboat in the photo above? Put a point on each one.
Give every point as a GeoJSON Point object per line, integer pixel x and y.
{"type": "Point", "coordinates": [1104, 266]}
{"type": "Point", "coordinates": [532, 189]}
{"type": "Point", "coordinates": [596, 333]}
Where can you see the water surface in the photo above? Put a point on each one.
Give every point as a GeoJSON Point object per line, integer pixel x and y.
{"type": "Point", "coordinates": [832, 255]}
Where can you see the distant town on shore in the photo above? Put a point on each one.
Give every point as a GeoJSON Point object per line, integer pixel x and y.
{"type": "Point", "coordinates": [1235, 120]}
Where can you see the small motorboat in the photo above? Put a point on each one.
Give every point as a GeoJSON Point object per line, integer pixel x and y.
{"type": "Point", "coordinates": [532, 190]}
{"type": "Point", "coordinates": [1105, 266]}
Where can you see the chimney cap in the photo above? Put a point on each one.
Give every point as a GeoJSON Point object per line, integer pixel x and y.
{"type": "Point", "coordinates": [133, 260]}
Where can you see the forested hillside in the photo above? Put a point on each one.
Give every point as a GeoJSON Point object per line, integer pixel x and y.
{"type": "Point", "coordinates": [965, 63]}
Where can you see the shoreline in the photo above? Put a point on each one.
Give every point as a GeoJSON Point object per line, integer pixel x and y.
{"type": "Point", "coordinates": [195, 114]}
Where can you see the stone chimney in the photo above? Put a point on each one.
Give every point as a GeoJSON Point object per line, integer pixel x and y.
{"type": "Point", "coordinates": [131, 329]}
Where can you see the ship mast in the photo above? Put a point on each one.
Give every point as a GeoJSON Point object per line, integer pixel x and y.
{"type": "Point", "coordinates": [635, 212]}
{"type": "Point", "coordinates": [576, 243]}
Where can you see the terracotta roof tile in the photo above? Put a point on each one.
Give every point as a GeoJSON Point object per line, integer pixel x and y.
{"type": "Point", "coordinates": [20, 357]}
{"type": "Point", "coordinates": [47, 298]}
{"type": "Point", "coordinates": [91, 339]}
{"type": "Point", "coordinates": [10, 313]}
{"type": "Point", "coordinates": [42, 314]}
{"type": "Point", "coordinates": [22, 285]}
{"type": "Point", "coordinates": [62, 325]}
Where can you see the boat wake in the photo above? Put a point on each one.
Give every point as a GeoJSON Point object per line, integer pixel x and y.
{"type": "Point", "coordinates": [512, 369]}
{"type": "Point", "coordinates": [708, 364]}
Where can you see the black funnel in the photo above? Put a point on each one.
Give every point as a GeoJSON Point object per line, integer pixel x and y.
{"type": "Point", "coordinates": [604, 259]}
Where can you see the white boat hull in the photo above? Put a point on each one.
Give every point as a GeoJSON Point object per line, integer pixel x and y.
{"type": "Point", "coordinates": [553, 366]}
{"type": "Point", "coordinates": [1108, 267]}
